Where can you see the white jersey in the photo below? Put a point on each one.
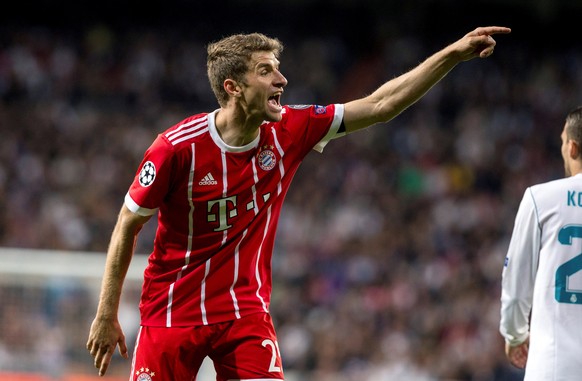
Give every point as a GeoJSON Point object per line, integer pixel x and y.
{"type": "Point", "coordinates": [543, 275]}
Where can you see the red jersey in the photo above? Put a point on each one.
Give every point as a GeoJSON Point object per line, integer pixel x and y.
{"type": "Point", "coordinates": [218, 208]}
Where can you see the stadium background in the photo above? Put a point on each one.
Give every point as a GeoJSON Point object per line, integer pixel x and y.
{"type": "Point", "coordinates": [391, 244]}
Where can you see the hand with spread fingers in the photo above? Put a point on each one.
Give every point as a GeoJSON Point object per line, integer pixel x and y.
{"type": "Point", "coordinates": [104, 337]}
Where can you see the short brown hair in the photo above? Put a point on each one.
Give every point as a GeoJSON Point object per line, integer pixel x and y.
{"type": "Point", "coordinates": [574, 125]}
{"type": "Point", "coordinates": [230, 56]}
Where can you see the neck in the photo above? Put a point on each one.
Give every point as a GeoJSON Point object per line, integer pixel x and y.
{"type": "Point", "coordinates": [236, 128]}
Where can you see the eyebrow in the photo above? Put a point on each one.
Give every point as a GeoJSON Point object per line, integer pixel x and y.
{"type": "Point", "coordinates": [260, 65]}
{"type": "Point", "coordinates": [270, 63]}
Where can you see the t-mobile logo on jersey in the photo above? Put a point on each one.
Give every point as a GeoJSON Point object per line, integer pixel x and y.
{"type": "Point", "coordinates": [220, 210]}
{"type": "Point", "coordinates": [224, 209]}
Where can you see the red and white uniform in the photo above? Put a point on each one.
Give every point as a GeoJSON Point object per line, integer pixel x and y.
{"type": "Point", "coordinates": [218, 208]}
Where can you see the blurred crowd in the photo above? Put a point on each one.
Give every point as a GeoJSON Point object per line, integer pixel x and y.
{"type": "Point", "coordinates": [391, 244]}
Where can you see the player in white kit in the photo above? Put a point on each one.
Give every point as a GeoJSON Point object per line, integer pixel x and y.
{"type": "Point", "coordinates": [541, 298]}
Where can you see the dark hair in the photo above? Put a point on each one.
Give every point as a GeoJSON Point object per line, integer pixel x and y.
{"type": "Point", "coordinates": [229, 57]}
{"type": "Point", "coordinates": [574, 125]}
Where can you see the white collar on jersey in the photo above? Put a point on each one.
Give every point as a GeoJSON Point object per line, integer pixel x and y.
{"type": "Point", "coordinates": [221, 144]}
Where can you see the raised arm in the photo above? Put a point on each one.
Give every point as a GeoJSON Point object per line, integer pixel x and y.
{"type": "Point", "coordinates": [399, 93]}
{"type": "Point", "coordinates": [106, 333]}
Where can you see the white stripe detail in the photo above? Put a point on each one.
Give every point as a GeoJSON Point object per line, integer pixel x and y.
{"type": "Point", "coordinates": [203, 291]}
{"type": "Point", "coordinates": [257, 275]}
{"type": "Point", "coordinates": [279, 190]}
{"type": "Point", "coordinates": [132, 372]}
{"type": "Point", "coordinates": [224, 188]}
{"type": "Point", "coordinates": [134, 207]}
{"type": "Point", "coordinates": [189, 246]}
{"type": "Point", "coordinates": [169, 305]}
{"type": "Point", "coordinates": [254, 187]}
{"type": "Point", "coordinates": [187, 128]}
{"type": "Point", "coordinates": [237, 250]}
{"type": "Point", "coordinates": [224, 173]}
{"type": "Point", "coordinates": [225, 236]}
{"type": "Point", "coordinates": [174, 142]}
{"type": "Point", "coordinates": [332, 133]}
{"type": "Point", "coordinates": [235, 279]}
{"type": "Point", "coordinates": [281, 166]}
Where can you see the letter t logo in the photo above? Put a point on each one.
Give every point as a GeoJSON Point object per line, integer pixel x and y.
{"type": "Point", "coordinates": [221, 210]}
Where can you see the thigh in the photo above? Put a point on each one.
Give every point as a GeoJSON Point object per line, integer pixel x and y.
{"type": "Point", "coordinates": [248, 350]}
{"type": "Point", "coordinates": [170, 354]}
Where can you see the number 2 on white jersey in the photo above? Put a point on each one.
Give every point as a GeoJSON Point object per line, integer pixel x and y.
{"type": "Point", "coordinates": [564, 271]}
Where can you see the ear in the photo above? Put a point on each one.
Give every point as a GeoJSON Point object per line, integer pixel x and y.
{"type": "Point", "coordinates": [574, 150]}
{"type": "Point", "coordinates": [232, 88]}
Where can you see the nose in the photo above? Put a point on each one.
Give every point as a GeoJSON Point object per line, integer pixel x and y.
{"type": "Point", "coordinates": [280, 80]}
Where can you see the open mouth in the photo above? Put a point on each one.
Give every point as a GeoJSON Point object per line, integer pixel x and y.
{"type": "Point", "coordinates": [275, 102]}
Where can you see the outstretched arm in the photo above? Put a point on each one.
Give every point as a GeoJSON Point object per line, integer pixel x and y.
{"type": "Point", "coordinates": [396, 95]}
{"type": "Point", "coordinates": [106, 333]}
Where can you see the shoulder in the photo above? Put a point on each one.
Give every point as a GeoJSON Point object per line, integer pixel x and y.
{"type": "Point", "coordinates": [178, 138]}
{"type": "Point", "coordinates": [186, 130]}
{"type": "Point", "coordinates": [552, 194]}
{"type": "Point", "coordinates": [317, 116]}
{"type": "Point", "coordinates": [309, 110]}
{"type": "Point", "coordinates": [557, 185]}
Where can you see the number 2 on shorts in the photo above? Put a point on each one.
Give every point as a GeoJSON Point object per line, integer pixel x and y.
{"type": "Point", "coordinates": [274, 353]}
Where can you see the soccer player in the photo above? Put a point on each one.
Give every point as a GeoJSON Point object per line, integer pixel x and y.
{"type": "Point", "coordinates": [541, 298]}
{"type": "Point", "coordinates": [217, 182]}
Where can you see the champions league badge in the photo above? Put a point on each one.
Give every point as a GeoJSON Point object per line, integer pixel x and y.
{"type": "Point", "coordinates": [144, 374]}
{"type": "Point", "coordinates": [147, 174]}
{"type": "Point", "coordinates": [320, 109]}
{"type": "Point", "coordinates": [267, 158]}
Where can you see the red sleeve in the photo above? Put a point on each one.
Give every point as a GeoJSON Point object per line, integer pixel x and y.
{"type": "Point", "coordinates": [152, 179]}
{"type": "Point", "coordinates": [314, 125]}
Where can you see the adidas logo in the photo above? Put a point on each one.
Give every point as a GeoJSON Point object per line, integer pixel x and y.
{"type": "Point", "coordinates": [208, 180]}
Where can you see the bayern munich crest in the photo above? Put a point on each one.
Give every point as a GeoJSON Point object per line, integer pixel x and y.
{"type": "Point", "coordinates": [147, 174]}
{"type": "Point", "coordinates": [267, 158]}
{"type": "Point", "coordinates": [144, 374]}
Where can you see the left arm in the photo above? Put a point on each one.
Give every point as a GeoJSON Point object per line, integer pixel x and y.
{"type": "Point", "coordinates": [105, 333]}
{"type": "Point", "coordinates": [396, 95]}
{"type": "Point", "coordinates": [518, 280]}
